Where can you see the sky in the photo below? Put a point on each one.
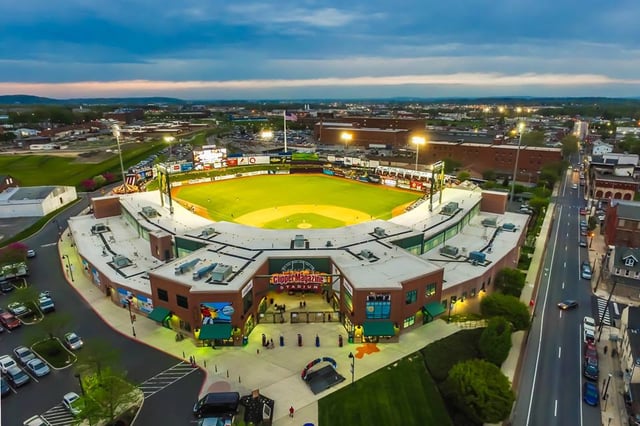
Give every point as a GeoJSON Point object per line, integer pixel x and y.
{"type": "Point", "coordinates": [310, 49]}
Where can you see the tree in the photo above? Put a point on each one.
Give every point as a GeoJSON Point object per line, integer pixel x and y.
{"type": "Point", "coordinates": [462, 176]}
{"type": "Point", "coordinates": [569, 145]}
{"type": "Point", "coordinates": [495, 341]}
{"type": "Point", "coordinates": [27, 296]}
{"type": "Point", "coordinates": [99, 181]}
{"type": "Point", "coordinates": [534, 138]}
{"type": "Point", "coordinates": [97, 355]}
{"type": "Point", "coordinates": [489, 175]}
{"type": "Point", "coordinates": [88, 184]}
{"type": "Point", "coordinates": [510, 281]}
{"type": "Point", "coordinates": [509, 307]}
{"type": "Point", "coordinates": [54, 325]}
{"type": "Point", "coordinates": [109, 394]}
{"type": "Point", "coordinates": [537, 204]}
{"type": "Point", "coordinates": [480, 390]}
{"type": "Point", "coordinates": [450, 165]}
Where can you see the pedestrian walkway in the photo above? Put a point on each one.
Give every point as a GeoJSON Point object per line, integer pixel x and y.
{"type": "Point", "coordinates": [274, 372]}
{"type": "Point", "coordinates": [602, 313]}
{"type": "Point", "coordinates": [59, 416]}
{"type": "Point", "coordinates": [166, 378]}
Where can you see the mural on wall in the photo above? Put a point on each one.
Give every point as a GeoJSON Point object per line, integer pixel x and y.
{"type": "Point", "coordinates": [216, 312]}
{"type": "Point", "coordinates": [95, 274]}
{"type": "Point", "coordinates": [124, 296]}
{"type": "Point", "coordinates": [145, 304]}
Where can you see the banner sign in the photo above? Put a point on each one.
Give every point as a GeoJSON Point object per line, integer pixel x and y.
{"type": "Point", "coordinates": [299, 280]}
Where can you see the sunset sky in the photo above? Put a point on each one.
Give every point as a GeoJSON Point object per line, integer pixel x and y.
{"type": "Point", "coordinates": [319, 49]}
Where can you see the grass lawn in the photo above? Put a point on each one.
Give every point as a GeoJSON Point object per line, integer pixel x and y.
{"type": "Point", "coordinates": [401, 394]}
{"type": "Point", "coordinates": [37, 169]}
{"type": "Point", "coordinates": [241, 196]}
{"type": "Point", "coordinates": [54, 353]}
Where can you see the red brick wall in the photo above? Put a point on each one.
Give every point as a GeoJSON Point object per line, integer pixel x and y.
{"type": "Point", "coordinates": [106, 207]}
{"type": "Point", "coordinates": [494, 202]}
{"type": "Point", "coordinates": [160, 244]}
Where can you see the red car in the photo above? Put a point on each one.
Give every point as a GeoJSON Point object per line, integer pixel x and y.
{"type": "Point", "coordinates": [590, 350]}
{"type": "Point", "coordinates": [8, 321]}
{"type": "Point", "coordinates": [583, 211]}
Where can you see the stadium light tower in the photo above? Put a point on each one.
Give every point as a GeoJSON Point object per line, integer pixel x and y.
{"type": "Point", "coordinates": [515, 165]}
{"type": "Point", "coordinates": [346, 137]}
{"type": "Point", "coordinates": [116, 132]}
{"type": "Point", "coordinates": [418, 140]}
{"type": "Point", "coordinates": [169, 140]}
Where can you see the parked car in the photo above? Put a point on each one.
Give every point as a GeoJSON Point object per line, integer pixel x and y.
{"type": "Point", "coordinates": [590, 393]}
{"type": "Point", "coordinates": [9, 321]}
{"type": "Point", "coordinates": [23, 354]}
{"type": "Point", "coordinates": [568, 304]}
{"type": "Point", "coordinates": [46, 304]}
{"type": "Point", "coordinates": [589, 335]}
{"type": "Point", "coordinates": [17, 308]}
{"type": "Point", "coordinates": [585, 270]}
{"type": "Point", "coordinates": [31, 253]}
{"type": "Point", "coordinates": [17, 376]}
{"type": "Point", "coordinates": [4, 387]}
{"type": "Point", "coordinates": [73, 403]}
{"type": "Point", "coordinates": [6, 362]}
{"type": "Point", "coordinates": [590, 350]}
{"type": "Point", "coordinates": [73, 341]}
{"type": "Point", "coordinates": [6, 286]}
{"type": "Point", "coordinates": [38, 368]}
{"type": "Point", "coordinates": [583, 211]}
{"type": "Point", "coordinates": [590, 368]}
{"type": "Point", "coordinates": [574, 186]}
{"type": "Point", "coordinates": [582, 243]}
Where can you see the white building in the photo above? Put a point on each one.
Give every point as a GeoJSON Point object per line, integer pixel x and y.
{"type": "Point", "coordinates": [601, 148]}
{"type": "Point", "coordinates": [621, 132]}
{"type": "Point", "coordinates": [34, 201]}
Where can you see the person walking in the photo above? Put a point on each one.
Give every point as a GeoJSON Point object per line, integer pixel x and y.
{"type": "Point", "coordinates": [291, 411]}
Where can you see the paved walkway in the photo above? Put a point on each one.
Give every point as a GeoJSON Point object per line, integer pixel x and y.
{"type": "Point", "coordinates": [274, 372]}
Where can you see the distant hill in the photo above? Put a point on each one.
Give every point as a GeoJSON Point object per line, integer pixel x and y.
{"type": "Point", "coordinates": [39, 100]}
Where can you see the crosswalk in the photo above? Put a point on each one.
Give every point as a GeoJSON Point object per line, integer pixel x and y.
{"type": "Point", "coordinates": [166, 378]}
{"type": "Point", "coordinates": [59, 416]}
{"type": "Point", "coordinates": [614, 311]}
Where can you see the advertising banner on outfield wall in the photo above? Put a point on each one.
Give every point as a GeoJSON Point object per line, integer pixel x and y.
{"type": "Point", "coordinates": [256, 159]}
{"type": "Point", "coordinates": [232, 162]}
{"type": "Point", "coordinates": [417, 185]}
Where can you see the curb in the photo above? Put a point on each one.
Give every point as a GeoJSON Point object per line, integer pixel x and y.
{"type": "Point", "coordinates": [75, 357]}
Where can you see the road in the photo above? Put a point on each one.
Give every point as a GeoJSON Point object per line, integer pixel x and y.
{"type": "Point", "coordinates": [138, 360]}
{"type": "Point", "coordinates": [551, 383]}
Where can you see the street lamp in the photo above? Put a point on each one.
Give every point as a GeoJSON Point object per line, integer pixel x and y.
{"type": "Point", "coordinates": [417, 140]}
{"type": "Point", "coordinates": [515, 166]}
{"type": "Point", "coordinates": [353, 366]}
{"type": "Point", "coordinates": [116, 133]}
{"type": "Point", "coordinates": [169, 140]}
{"type": "Point", "coordinates": [66, 257]}
{"type": "Point", "coordinates": [451, 306]}
{"type": "Point", "coordinates": [346, 137]}
{"type": "Point", "coordinates": [129, 300]}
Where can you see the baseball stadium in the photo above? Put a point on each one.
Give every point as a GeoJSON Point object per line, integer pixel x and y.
{"type": "Point", "coordinates": [376, 250]}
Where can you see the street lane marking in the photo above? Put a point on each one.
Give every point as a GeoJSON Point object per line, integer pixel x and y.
{"type": "Point", "coordinates": [544, 307]}
{"type": "Point", "coordinates": [563, 285]}
{"type": "Point", "coordinates": [49, 245]}
{"type": "Point", "coordinates": [565, 264]}
{"type": "Point", "coordinates": [560, 314]}
{"type": "Point", "coordinates": [555, 410]}
{"type": "Point", "coordinates": [559, 351]}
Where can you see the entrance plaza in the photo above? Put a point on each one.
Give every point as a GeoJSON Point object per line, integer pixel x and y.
{"type": "Point", "coordinates": [276, 372]}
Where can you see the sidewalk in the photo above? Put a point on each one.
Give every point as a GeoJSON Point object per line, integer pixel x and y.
{"type": "Point", "coordinates": [275, 372]}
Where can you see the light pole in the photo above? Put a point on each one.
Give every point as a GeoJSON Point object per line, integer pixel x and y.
{"type": "Point", "coordinates": [515, 166]}
{"type": "Point", "coordinates": [133, 329]}
{"type": "Point", "coordinates": [116, 132]}
{"type": "Point", "coordinates": [346, 138]}
{"type": "Point", "coordinates": [169, 140]}
{"type": "Point", "coordinates": [417, 140]}
{"type": "Point", "coordinates": [451, 306]}
{"type": "Point", "coordinates": [66, 257]}
{"type": "Point", "coordinates": [353, 366]}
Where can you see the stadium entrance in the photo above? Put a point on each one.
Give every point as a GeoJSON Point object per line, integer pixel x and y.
{"type": "Point", "coordinates": [300, 291]}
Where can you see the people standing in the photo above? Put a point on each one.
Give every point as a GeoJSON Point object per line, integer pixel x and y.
{"type": "Point", "coordinates": [291, 410]}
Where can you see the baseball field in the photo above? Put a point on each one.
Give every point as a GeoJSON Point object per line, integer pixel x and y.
{"type": "Point", "coordinates": [294, 201]}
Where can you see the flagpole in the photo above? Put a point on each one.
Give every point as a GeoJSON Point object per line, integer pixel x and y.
{"type": "Point", "coordinates": [284, 117]}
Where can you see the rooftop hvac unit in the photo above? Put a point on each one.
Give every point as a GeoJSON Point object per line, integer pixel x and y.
{"type": "Point", "coordinates": [149, 211]}
{"type": "Point", "coordinates": [379, 232]}
{"type": "Point", "coordinates": [509, 227]}
{"type": "Point", "coordinates": [207, 232]}
{"type": "Point", "coordinates": [367, 254]}
{"type": "Point", "coordinates": [477, 257]}
{"type": "Point", "coordinates": [98, 228]}
{"type": "Point", "coordinates": [299, 242]}
{"type": "Point", "coordinates": [221, 272]}
{"type": "Point", "coordinates": [181, 269]}
{"type": "Point", "coordinates": [120, 261]}
{"type": "Point", "coordinates": [449, 250]}
{"type": "Point", "coordinates": [449, 209]}
{"type": "Point", "coordinates": [203, 271]}
{"type": "Point", "coordinates": [490, 221]}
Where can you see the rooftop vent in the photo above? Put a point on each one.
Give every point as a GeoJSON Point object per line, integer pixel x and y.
{"type": "Point", "coordinates": [379, 232]}
{"type": "Point", "coordinates": [99, 228]}
{"type": "Point", "coordinates": [207, 232]}
{"type": "Point", "coordinates": [181, 269]}
{"type": "Point", "coordinates": [299, 242]}
{"type": "Point", "coordinates": [329, 244]}
{"type": "Point", "coordinates": [203, 271]}
{"type": "Point", "coordinates": [120, 261]}
{"type": "Point", "coordinates": [367, 254]}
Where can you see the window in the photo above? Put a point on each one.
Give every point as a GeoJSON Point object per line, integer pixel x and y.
{"type": "Point", "coordinates": [473, 292]}
{"type": "Point", "coordinates": [409, 321]}
{"type": "Point", "coordinates": [621, 223]}
{"type": "Point", "coordinates": [411, 297]}
{"type": "Point", "coordinates": [182, 301]}
{"type": "Point", "coordinates": [464, 295]}
{"type": "Point", "coordinates": [431, 290]}
{"type": "Point", "coordinates": [163, 295]}
{"type": "Point", "coordinates": [629, 261]}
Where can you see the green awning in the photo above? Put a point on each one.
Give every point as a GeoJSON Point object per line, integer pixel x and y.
{"type": "Point", "coordinates": [159, 314]}
{"type": "Point", "coordinates": [215, 331]}
{"type": "Point", "coordinates": [434, 309]}
{"type": "Point", "coordinates": [378, 328]}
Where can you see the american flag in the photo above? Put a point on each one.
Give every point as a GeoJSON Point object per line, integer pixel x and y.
{"type": "Point", "coordinates": [290, 116]}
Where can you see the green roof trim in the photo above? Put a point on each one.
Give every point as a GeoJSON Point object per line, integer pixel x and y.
{"type": "Point", "coordinates": [159, 314]}
{"type": "Point", "coordinates": [378, 328]}
{"type": "Point", "coordinates": [215, 331]}
{"type": "Point", "coordinates": [434, 309]}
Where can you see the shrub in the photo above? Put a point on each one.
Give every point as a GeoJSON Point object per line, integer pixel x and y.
{"type": "Point", "coordinates": [495, 341]}
{"type": "Point", "coordinates": [509, 307]}
{"type": "Point", "coordinates": [510, 281]}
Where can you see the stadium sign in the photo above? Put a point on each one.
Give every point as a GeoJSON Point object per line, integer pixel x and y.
{"type": "Point", "coordinates": [299, 280]}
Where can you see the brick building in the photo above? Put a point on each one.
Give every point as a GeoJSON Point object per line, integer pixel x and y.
{"type": "Point", "coordinates": [622, 224]}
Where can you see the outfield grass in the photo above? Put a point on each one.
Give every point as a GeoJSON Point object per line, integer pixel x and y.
{"type": "Point", "coordinates": [401, 394]}
{"type": "Point", "coordinates": [229, 199]}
